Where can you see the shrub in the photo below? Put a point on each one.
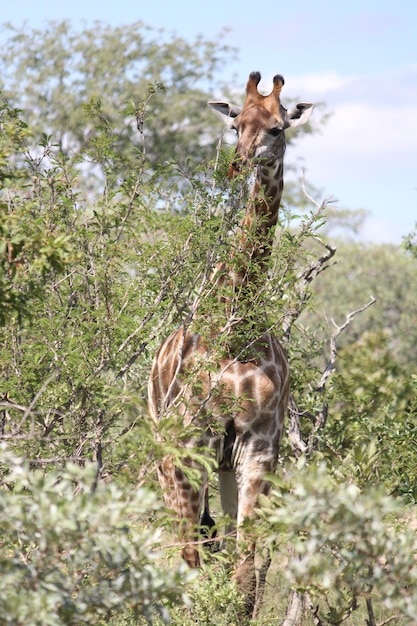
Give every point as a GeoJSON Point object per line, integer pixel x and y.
{"type": "Point", "coordinates": [71, 553]}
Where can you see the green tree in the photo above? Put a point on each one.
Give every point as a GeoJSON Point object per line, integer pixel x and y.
{"type": "Point", "coordinates": [118, 270]}
{"type": "Point", "coordinates": [77, 311]}
{"type": "Point", "coordinates": [54, 73]}
{"type": "Point", "coordinates": [59, 76]}
{"type": "Point", "coordinates": [75, 360]}
{"type": "Point", "coordinates": [29, 248]}
{"type": "Point", "coordinates": [373, 399]}
{"type": "Point", "coordinates": [372, 393]}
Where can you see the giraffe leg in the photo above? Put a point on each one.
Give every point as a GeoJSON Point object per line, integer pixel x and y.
{"type": "Point", "coordinates": [208, 529]}
{"type": "Point", "coordinates": [250, 481]}
{"type": "Point", "coordinates": [229, 497]}
{"type": "Point", "coordinates": [186, 501]}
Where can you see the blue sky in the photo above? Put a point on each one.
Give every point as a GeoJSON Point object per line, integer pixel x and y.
{"type": "Point", "coordinates": [359, 57]}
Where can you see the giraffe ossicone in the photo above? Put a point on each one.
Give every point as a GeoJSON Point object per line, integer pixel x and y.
{"type": "Point", "coordinates": [246, 397]}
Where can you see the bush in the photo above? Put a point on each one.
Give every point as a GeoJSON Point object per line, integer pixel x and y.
{"type": "Point", "coordinates": [342, 544]}
{"type": "Point", "coordinates": [74, 554]}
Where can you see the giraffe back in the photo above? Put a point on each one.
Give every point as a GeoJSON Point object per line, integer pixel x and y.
{"type": "Point", "coordinates": [219, 396]}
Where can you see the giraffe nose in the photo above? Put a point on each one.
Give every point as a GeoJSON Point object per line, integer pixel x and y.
{"type": "Point", "coordinates": [238, 161]}
{"type": "Point", "coordinates": [232, 172]}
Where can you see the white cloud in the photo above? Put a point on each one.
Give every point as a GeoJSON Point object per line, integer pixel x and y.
{"type": "Point", "coordinates": [318, 84]}
{"type": "Point", "coordinates": [366, 154]}
{"type": "Point", "coordinates": [309, 85]}
{"type": "Point", "coordinates": [365, 127]}
{"type": "Point", "coordinates": [395, 88]}
{"type": "Point", "coordinates": [361, 130]}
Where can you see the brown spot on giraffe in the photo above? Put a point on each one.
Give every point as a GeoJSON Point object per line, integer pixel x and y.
{"type": "Point", "coordinates": [246, 397]}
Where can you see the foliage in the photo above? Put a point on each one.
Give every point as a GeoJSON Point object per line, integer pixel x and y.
{"type": "Point", "coordinates": [73, 554]}
{"type": "Point", "coordinates": [29, 248]}
{"type": "Point", "coordinates": [213, 600]}
{"type": "Point", "coordinates": [70, 294]}
{"type": "Point", "coordinates": [62, 78]}
{"type": "Point", "coordinates": [384, 271]}
{"type": "Point", "coordinates": [410, 242]}
{"type": "Point", "coordinates": [371, 393]}
{"type": "Point", "coordinates": [92, 302]}
{"type": "Point", "coordinates": [76, 344]}
{"type": "Point", "coordinates": [342, 543]}
{"type": "Point", "coordinates": [110, 228]}
{"type": "Point", "coordinates": [382, 395]}
{"type": "Point", "coordinates": [58, 75]}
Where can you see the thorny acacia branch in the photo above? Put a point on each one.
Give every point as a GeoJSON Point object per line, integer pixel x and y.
{"type": "Point", "coordinates": [295, 414]}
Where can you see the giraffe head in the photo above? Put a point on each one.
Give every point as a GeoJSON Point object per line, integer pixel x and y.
{"type": "Point", "coordinates": [261, 123]}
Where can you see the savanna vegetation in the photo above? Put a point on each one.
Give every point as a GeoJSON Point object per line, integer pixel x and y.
{"type": "Point", "coordinates": [114, 206]}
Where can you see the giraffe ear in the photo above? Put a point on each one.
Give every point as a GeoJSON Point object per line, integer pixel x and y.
{"type": "Point", "coordinates": [225, 111]}
{"type": "Point", "coordinates": [300, 114]}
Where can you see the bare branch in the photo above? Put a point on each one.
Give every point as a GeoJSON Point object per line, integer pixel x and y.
{"type": "Point", "coordinates": [294, 610]}
{"type": "Point", "coordinates": [333, 346]}
{"type": "Point", "coordinates": [388, 620]}
{"type": "Point", "coordinates": [309, 273]}
{"type": "Point", "coordinates": [319, 419]}
{"type": "Point", "coordinates": [369, 607]}
{"type": "Point", "coordinates": [294, 427]}
{"type": "Point", "coordinates": [311, 199]}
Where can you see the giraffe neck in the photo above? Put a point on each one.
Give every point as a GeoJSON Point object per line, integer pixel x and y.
{"type": "Point", "coordinates": [239, 279]}
{"type": "Point", "coordinates": [255, 236]}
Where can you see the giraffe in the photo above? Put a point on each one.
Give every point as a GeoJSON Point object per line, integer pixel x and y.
{"type": "Point", "coordinates": [244, 392]}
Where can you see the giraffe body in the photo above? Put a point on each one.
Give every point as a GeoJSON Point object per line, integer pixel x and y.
{"type": "Point", "coordinates": [233, 401]}
{"type": "Point", "coordinates": [242, 419]}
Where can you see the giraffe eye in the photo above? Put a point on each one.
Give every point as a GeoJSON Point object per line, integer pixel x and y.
{"type": "Point", "coordinates": [274, 132]}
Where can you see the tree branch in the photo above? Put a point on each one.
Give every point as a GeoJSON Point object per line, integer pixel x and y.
{"type": "Point", "coordinates": [333, 346]}
{"type": "Point", "coordinates": [319, 419]}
